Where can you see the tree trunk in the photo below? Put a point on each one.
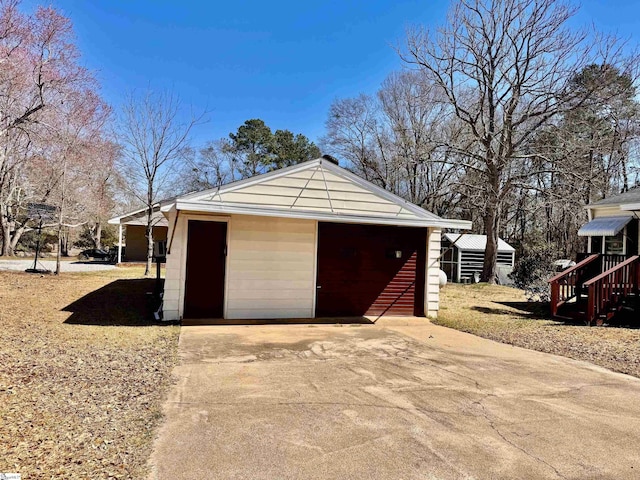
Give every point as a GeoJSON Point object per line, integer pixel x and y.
{"type": "Point", "coordinates": [61, 213]}
{"type": "Point", "coordinates": [59, 252]}
{"type": "Point", "coordinates": [10, 234]}
{"type": "Point", "coordinates": [149, 235]}
{"type": "Point", "coordinates": [99, 235]}
{"type": "Point", "coordinates": [96, 235]}
{"type": "Point", "coordinates": [491, 226]}
{"type": "Point", "coordinates": [65, 241]}
{"type": "Point", "coordinates": [17, 235]}
{"type": "Point", "coordinates": [6, 233]}
{"type": "Point", "coordinates": [6, 240]}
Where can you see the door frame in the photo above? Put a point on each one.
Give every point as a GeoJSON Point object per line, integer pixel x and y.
{"type": "Point", "coordinates": [184, 237]}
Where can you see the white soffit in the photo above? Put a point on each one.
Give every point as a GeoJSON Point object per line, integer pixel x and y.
{"type": "Point", "coordinates": [317, 189]}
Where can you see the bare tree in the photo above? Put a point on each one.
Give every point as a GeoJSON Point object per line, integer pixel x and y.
{"type": "Point", "coordinates": [209, 167]}
{"type": "Point", "coordinates": [394, 140]}
{"type": "Point", "coordinates": [39, 70]}
{"type": "Point", "coordinates": [154, 135]}
{"type": "Point", "coordinates": [505, 67]}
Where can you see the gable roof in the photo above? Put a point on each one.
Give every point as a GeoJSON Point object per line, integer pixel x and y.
{"type": "Point", "coordinates": [478, 243]}
{"type": "Point", "coordinates": [628, 197]}
{"type": "Point", "coordinates": [317, 189]}
{"type": "Point", "coordinates": [139, 217]}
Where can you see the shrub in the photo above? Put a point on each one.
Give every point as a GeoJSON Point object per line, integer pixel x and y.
{"type": "Point", "coordinates": [533, 271]}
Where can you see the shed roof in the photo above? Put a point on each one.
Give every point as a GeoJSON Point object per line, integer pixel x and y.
{"type": "Point", "coordinates": [139, 217]}
{"type": "Point", "coordinates": [318, 189]}
{"type": "Point", "coordinates": [474, 242]}
{"type": "Point", "coordinates": [604, 226]}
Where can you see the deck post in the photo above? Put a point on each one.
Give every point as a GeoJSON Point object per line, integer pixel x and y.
{"type": "Point", "coordinates": [119, 243]}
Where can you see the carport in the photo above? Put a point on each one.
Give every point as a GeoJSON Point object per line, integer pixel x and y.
{"type": "Point", "coordinates": [301, 242]}
{"type": "Point", "coordinates": [132, 231]}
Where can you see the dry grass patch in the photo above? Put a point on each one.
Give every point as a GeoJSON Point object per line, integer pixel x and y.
{"type": "Point", "coordinates": [83, 374]}
{"type": "Point", "coordinates": [503, 314]}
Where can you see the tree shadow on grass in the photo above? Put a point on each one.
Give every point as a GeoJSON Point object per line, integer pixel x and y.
{"type": "Point", "coordinates": [541, 311]}
{"type": "Point", "coordinates": [128, 302]}
{"type": "Point", "coordinates": [527, 310]}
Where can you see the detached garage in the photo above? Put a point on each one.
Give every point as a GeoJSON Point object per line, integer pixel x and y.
{"type": "Point", "coordinates": [311, 240]}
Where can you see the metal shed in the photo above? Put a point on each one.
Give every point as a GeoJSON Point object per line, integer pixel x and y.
{"type": "Point", "coordinates": [463, 255]}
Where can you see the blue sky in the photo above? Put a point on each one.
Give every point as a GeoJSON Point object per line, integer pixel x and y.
{"type": "Point", "coordinates": [284, 62]}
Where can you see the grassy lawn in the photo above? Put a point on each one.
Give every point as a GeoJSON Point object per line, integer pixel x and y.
{"type": "Point", "coordinates": [83, 374]}
{"type": "Point", "coordinates": [503, 314]}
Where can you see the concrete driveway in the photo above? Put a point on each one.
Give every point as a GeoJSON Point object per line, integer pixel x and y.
{"type": "Point", "coordinates": [392, 401]}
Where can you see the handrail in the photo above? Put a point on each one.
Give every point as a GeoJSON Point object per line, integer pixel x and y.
{"type": "Point", "coordinates": [578, 265]}
{"type": "Point", "coordinates": [611, 270]}
{"type": "Point", "coordinates": [608, 290]}
{"type": "Point", "coordinates": [563, 286]}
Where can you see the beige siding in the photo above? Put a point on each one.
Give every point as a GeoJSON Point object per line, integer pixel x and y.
{"type": "Point", "coordinates": [136, 241]}
{"type": "Point", "coordinates": [613, 211]}
{"type": "Point", "coordinates": [316, 190]}
{"type": "Point", "coordinates": [432, 283]}
{"type": "Point", "coordinates": [271, 268]}
{"type": "Point", "coordinates": [173, 281]}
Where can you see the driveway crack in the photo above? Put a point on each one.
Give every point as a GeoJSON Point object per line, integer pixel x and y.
{"type": "Point", "coordinates": [512, 443]}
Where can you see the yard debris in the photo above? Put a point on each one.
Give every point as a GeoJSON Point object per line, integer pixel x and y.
{"type": "Point", "coordinates": [80, 390]}
{"type": "Point", "coordinates": [503, 314]}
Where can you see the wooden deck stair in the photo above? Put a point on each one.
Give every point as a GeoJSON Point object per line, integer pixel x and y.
{"type": "Point", "coordinates": [595, 291]}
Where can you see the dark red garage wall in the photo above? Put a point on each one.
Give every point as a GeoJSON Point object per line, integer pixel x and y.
{"type": "Point", "coordinates": [359, 274]}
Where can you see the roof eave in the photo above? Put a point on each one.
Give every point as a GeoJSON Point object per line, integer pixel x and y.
{"type": "Point", "coordinates": [118, 220]}
{"type": "Point", "coordinates": [630, 207]}
{"type": "Point", "coordinates": [246, 182]}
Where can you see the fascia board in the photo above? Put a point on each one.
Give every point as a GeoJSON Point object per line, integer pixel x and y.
{"type": "Point", "coordinates": [312, 215]}
{"type": "Point", "coordinates": [118, 220]}
{"type": "Point", "coordinates": [630, 206]}
{"type": "Point", "coordinates": [230, 187]}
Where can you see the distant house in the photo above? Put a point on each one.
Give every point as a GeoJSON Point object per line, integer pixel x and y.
{"type": "Point", "coordinates": [310, 240]}
{"type": "Point", "coordinates": [463, 256]}
{"type": "Point", "coordinates": [132, 237]}
{"type": "Point", "coordinates": [606, 279]}
{"type": "Point", "coordinates": [613, 224]}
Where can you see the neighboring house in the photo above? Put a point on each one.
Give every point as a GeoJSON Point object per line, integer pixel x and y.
{"type": "Point", "coordinates": [133, 226]}
{"type": "Point", "coordinates": [463, 256]}
{"type": "Point", "coordinates": [606, 279]}
{"type": "Point", "coordinates": [613, 224]}
{"type": "Point", "coordinates": [311, 240]}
